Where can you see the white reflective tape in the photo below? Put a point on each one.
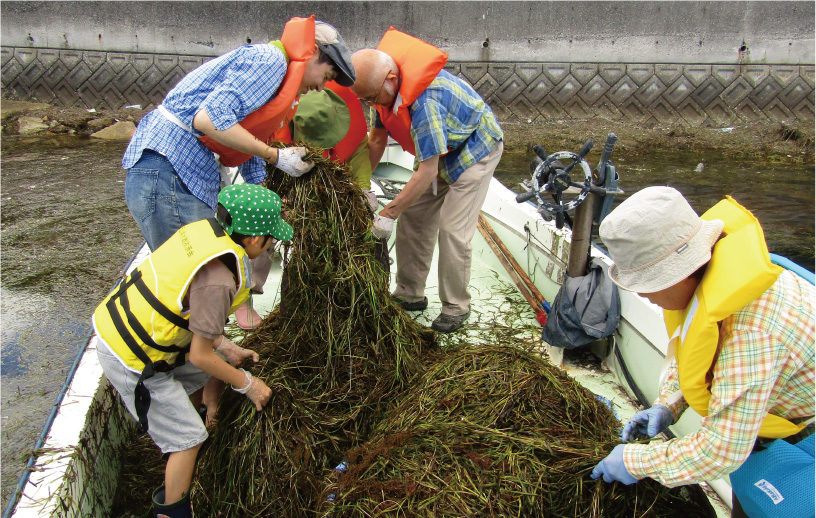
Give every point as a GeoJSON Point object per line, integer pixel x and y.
{"type": "Point", "coordinates": [692, 310]}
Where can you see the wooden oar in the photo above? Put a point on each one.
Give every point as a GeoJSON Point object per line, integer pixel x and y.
{"type": "Point", "coordinates": [514, 269]}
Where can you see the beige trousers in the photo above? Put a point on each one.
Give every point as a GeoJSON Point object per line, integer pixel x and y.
{"type": "Point", "coordinates": [450, 217]}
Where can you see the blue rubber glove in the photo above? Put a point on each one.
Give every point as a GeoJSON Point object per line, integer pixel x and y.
{"type": "Point", "coordinates": [647, 423]}
{"type": "Point", "coordinates": [612, 468]}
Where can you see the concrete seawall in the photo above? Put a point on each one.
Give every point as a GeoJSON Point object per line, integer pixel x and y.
{"type": "Point", "coordinates": [695, 63]}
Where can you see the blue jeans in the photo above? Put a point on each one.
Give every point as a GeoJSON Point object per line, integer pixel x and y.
{"type": "Point", "coordinates": [159, 201]}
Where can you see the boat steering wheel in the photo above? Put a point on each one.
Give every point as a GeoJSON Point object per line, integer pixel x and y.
{"type": "Point", "coordinates": [557, 181]}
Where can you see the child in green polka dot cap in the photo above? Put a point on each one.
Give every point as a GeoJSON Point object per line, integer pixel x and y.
{"type": "Point", "coordinates": [252, 210]}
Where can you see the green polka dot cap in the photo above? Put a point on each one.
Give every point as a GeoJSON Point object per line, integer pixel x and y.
{"type": "Point", "coordinates": [254, 211]}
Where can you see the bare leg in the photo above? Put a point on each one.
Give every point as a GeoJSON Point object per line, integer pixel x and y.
{"type": "Point", "coordinates": [179, 474]}
{"type": "Point", "coordinates": [210, 397]}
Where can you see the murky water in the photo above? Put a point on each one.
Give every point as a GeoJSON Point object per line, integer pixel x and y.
{"type": "Point", "coordinates": [780, 196]}
{"type": "Point", "coordinates": [66, 234]}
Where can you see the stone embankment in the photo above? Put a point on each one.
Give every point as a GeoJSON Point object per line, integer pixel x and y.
{"type": "Point", "coordinates": [762, 141]}
{"type": "Point", "coordinates": [40, 119]}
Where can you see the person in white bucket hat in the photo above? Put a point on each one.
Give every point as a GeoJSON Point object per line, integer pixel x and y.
{"type": "Point", "coordinates": [741, 337]}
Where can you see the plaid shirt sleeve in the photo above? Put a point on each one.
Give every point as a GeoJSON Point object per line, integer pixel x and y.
{"type": "Point", "coordinates": [766, 364]}
{"type": "Point", "coordinates": [243, 86]}
{"type": "Point", "coordinates": [450, 119]}
{"type": "Point", "coordinates": [672, 385]}
{"type": "Point", "coordinates": [229, 88]}
{"type": "Point", "coordinates": [253, 170]}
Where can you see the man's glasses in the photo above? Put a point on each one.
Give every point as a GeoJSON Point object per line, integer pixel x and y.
{"type": "Point", "coordinates": [373, 99]}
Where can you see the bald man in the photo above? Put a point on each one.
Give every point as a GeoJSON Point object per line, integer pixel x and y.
{"type": "Point", "coordinates": [457, 142]}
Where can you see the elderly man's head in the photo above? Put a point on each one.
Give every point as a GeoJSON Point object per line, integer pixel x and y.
{"type": "Point", "coordinates": [658, 243]}
{"type": "Point", "coordinates": [378, 77]}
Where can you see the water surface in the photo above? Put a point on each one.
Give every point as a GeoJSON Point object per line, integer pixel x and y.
{"type": "Point", "coordinates": [781, 196]}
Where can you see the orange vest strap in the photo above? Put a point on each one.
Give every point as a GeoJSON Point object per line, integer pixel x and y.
{"type": "Point", "coordinates": [298, 39]}
{"type": "Point", "coordinates": [357, 127]}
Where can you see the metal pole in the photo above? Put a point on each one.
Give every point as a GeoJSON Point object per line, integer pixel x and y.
{"type": "Point", "coordinates": [581, 236]}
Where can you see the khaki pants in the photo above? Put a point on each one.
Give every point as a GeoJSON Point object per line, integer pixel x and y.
{"type": "Point", "coordinates": [450, 217]}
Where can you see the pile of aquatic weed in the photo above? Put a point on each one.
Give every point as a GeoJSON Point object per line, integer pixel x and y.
{"type": "Point", "coordinates": [481, 427]}
{"type": "Point", "coordinates": [334, 353]}
{"type": "Point", "coordinates": [495, 431]}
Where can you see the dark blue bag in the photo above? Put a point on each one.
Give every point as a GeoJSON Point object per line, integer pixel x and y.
{"type": "Point", "coordinates": [778, 481]}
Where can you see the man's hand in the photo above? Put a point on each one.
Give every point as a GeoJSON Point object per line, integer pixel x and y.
{"type": "Point", "coordinates": [233, 354]}
{"type": "Point", "coordinates": [382, 227]}
{"type": "Point", "coordinates": [612, 468]}
{"type": "Point", "coordinates": [647, 423]}
{"type": "Point", "coordinates": [290, 161]}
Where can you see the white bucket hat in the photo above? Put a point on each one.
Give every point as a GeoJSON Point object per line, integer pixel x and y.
{"type": "Point", "coordinates": [656, 240]}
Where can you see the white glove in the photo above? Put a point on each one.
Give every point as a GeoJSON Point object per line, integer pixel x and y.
{"type": "Point", "coordinates": [233, 354]}
{"type": "Point", "coordinates": [256, 390]}
{"type": "Point", "coordinates": [290, 161]}
{"type": "Point", "coordinates": [382, 227]}
{"type": "Point", "coordinates": [371, 198]}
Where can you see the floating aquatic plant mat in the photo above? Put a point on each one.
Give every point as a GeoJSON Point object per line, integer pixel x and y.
{"type": "Point", "coordinates": [468, 424]}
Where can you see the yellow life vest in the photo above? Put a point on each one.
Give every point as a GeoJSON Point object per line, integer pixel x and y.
{"type": "Point", "coordinates": [143, 320]}
{"type": "Point", "coordinates": [739, 272]}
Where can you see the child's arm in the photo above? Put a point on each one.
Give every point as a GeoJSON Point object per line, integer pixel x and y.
{"type": "Point", "coordinates": [203, 357]}
{"type": "Point", "coordinates": [231, 353]}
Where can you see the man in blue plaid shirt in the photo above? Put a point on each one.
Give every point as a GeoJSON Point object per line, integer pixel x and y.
{"type": "Point", "coordinates": [173, 178]}
{"type": "Point", "coordinates": [456, 139]}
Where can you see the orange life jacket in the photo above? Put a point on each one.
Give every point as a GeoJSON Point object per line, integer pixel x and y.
{"type": "Point", "coordinates": [419, 63]}
{"type": "Point", "coordinates": [298, 40]}
{"type": "Point", "coordinates": [357, 131]}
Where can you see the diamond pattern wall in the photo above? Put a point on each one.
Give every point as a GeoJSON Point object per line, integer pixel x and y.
{"type": "Point", "coordinates": [665, 93]}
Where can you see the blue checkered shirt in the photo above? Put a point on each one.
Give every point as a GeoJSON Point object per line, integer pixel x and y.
{"type": "Point", "coordinates": [229, 87]}
{"type": "Point", "coordinates": [449, 118]}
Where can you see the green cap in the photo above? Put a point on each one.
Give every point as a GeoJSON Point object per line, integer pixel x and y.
{"type": "Point", "coordinates": [322, 119]}
{"type": "Point", "coordinates": [253, 211]}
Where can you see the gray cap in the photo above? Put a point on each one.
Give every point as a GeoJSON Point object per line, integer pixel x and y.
{"type": "Point", "coordinates": [329, 41]}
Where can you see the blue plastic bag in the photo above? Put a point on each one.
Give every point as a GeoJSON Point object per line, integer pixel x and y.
{"type": "Point", "coordinates": [778, 481]}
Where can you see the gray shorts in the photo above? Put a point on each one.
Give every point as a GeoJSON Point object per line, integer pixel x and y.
{"type": "Point", "coordinates": [172, 421]}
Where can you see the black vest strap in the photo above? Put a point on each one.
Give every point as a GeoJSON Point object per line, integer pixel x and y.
{"type": "Point", "coordinates": [156, 304]}
{"type": "Point", "coordinates": [141, 393]}
{"type": "Point", "coordinates": [217, 229]}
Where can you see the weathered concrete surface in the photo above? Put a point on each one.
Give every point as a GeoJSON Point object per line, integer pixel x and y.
{"type": "Point", "coordinates": [579, 31]}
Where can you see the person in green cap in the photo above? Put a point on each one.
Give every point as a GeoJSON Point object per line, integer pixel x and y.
{"type": "Point", "coordinates": [327, 120]}
{"type": "Point", "coordinates": [161, 329]}
{"type": "Point", "coordinates": [331, 119]}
